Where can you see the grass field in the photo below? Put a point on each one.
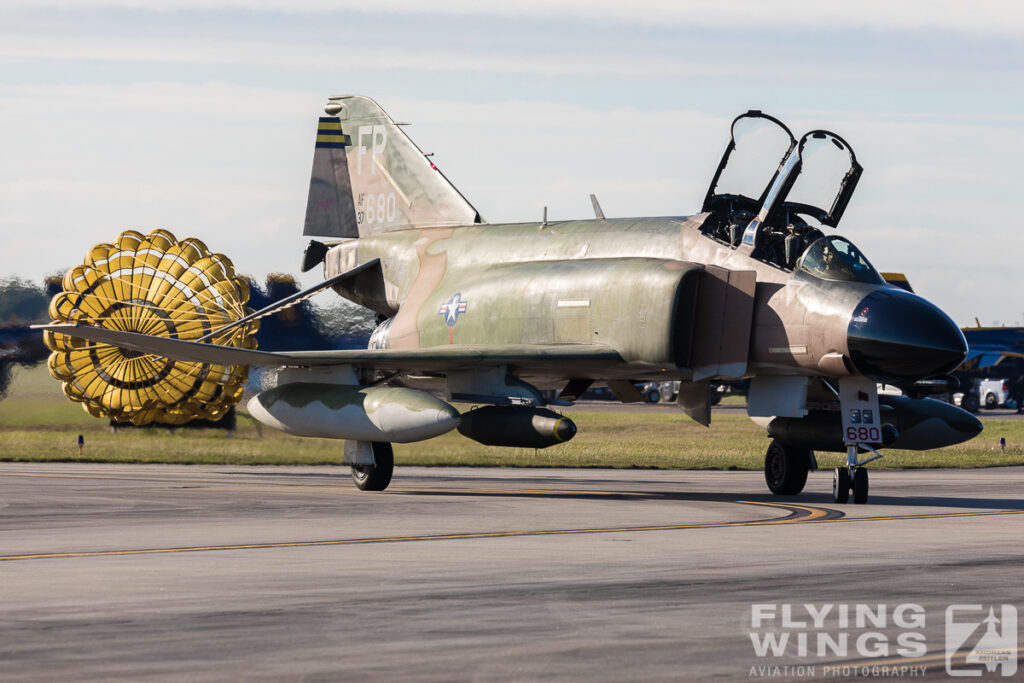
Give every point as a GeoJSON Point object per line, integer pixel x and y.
{"type": "Point", "coordinates": [38, 424]}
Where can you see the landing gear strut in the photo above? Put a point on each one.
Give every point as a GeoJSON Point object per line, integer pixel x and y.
{"type": "Point", "coordinates": [853, 477]}
{"type": "Point", "coordinates": [377, 476]}
{"type": "Point", "coordinates": [786, 467]}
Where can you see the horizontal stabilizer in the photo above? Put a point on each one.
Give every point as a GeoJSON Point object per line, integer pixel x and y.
{"type": "Point", "coordinates": [294, 299]}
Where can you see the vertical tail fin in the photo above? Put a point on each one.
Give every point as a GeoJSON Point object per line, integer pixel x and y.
{"type": "Point", "coordinates": [369, 177]}
{"type": "Point", "coordinates": [329, 210]}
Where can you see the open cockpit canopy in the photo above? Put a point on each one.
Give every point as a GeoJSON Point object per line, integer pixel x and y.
{"type": "Point", "coordinates": [773, 193]}
{"type": "Point", "coordinates": [824, 178]}
{"type": "Point", "coordinates": [758, 147]}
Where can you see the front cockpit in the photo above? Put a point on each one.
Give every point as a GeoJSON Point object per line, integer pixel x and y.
{"type": "Point", "coordinates": [836, 258]}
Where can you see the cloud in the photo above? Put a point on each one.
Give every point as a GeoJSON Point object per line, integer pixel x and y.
{"type": "Point", "coordinates": [765, 43]}
{"type": "Point", "coordinates": [167, 101]}
{"type": "Point", "coordinates": [983, 17]}
{"type": "Point", "coordinates": [552, 61]}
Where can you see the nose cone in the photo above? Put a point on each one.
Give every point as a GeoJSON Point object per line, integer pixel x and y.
{"type": "Point", "coordinates": [896, 335]}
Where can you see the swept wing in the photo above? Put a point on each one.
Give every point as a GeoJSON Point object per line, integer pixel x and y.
{"type": "Point", "coordinates": [552, 357]}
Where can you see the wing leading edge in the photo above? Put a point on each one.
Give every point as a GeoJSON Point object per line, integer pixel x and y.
{"type": "Point", "coordinates": [438, 359]}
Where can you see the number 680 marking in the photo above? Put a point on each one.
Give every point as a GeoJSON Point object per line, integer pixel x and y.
{"type": "Point", "coordinates": [862, 434]}
{"type": "Point", "coordinates": [379, 208]}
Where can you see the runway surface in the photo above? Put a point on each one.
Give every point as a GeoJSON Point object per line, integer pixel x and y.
{"type": "Point", "coordinates": [211, 573]}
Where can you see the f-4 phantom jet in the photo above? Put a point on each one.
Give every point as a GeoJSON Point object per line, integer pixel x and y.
{"type": "Point", "coordinates": [520, 318]}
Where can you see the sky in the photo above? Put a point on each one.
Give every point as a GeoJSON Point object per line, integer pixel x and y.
{"type": "Point", "coordinates": [198, 116]}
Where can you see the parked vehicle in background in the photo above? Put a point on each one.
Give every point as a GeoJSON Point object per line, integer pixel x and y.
{"type": "Point", "coordinates": [651, 391]}
{"type": "Point", "coordinates": [969, 401]}
{"type": "Point", "coordinates": [974, 394]}
{"type": "Point", "coordinates": [993, 392]}
{"type": "Point", "coordinates": [718, 390]}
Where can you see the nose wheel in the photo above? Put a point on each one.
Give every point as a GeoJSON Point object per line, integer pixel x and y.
{"type": "Point", "coordinates": [841, 485]}
{"type": "Point", "coordinates": [853, 478]}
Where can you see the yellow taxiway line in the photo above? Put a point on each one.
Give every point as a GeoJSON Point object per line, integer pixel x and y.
{"type": "Point", "coordinates": [936, 515]}
{"type": "Point", "coordinates": [798, 514]}
{"type": "Point", "coordinates": [794, 510]}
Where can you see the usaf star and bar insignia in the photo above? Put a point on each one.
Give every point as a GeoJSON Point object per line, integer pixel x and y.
{"type": "Point", "coordinates": [452, 309]}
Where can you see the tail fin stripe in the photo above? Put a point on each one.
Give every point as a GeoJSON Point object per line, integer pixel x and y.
{"type": "Point", "coordinates": [333, 141]}
{"type": "Point", "coordinates": [329, 133]}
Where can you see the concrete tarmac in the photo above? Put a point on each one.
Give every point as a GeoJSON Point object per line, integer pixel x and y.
{"type": "Point", "coordinates": [227, 573]}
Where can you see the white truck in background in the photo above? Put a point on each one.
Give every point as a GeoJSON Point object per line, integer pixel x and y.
{"type": "Point", "coordinates": [993, 392]}
{"type": "Point", "coordinates": [983, 393]}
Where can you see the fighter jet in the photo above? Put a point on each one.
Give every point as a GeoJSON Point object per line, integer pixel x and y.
{"type": "Point", "coordinates": [517, 319]}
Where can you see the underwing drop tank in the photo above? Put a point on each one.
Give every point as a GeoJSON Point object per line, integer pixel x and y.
{"type": "Point", "coordinates": [516, 426]}
{"type": "Point", "coordinates": [342, 411]}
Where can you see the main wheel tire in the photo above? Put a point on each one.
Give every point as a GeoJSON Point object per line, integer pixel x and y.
{"type": "Point", "coordinates": [841, 485]}
{"type": "Point", "coordinates": [970, 403]}
{"type": "Point", "coordinates": [860, 486]}
{"type": "Point", "coordinates": [375, 477]}
{"type": "Point", "coordinates": [990, 401]}
{"type": "Point", "coordinates": [785, 468]}
{"type": "Point", "coordinates": [653, 396]}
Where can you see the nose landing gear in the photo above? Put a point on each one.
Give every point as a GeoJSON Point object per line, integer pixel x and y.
{"type": "Point", "coordinates": [853, 477]}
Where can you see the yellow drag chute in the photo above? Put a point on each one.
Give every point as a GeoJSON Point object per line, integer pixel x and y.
{"type": "Point", "coordinates": [152, 284]}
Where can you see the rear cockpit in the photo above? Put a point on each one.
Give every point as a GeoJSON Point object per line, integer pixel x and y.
{"type": "Point", "coordinates": [769, 194]}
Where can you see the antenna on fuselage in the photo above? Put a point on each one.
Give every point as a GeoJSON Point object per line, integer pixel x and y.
{"type": "Point", "coordinates": [598, 213]}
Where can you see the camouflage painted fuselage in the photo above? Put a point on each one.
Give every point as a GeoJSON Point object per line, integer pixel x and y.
{"type": "Point", "coordinates": [612, 282]}
{"type": "Point", "coordinates": [721, 294]}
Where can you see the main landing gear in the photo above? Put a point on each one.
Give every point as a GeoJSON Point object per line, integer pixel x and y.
{"type": "Point", "coordinates": [786, 468]}
{"type": "Point", "coordinates": [377, 476]}
{"type": "Point", "coordinates": [852, 477]}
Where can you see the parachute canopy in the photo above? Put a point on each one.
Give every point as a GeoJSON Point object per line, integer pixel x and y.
{"type": "Point", "coordinates": [152, 284]}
